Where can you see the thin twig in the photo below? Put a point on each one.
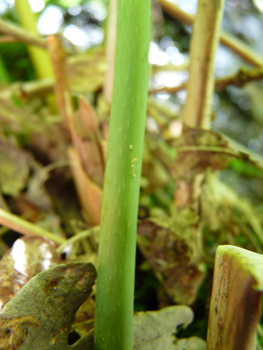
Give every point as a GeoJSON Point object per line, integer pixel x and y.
{"type": "Point", "coordinates": [36, 88]}
{"type": "Point", "coordinates": [21, 34]}
{"type": "Point", "coordinates": [238, 46]}
{"type": "Point", "coordinates": [78, 237]}
{"type": "Point", "coordinates": [239, 79]}
{"type": "Point", "coordinates": [5, 39]}
{"type": "Point", "coordinates": [24, 227]}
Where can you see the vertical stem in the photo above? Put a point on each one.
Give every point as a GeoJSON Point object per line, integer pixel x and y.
{"type": "Point", "coordinates": [206, 30]}
{"type": "Point", "coordinates": [4, 75]}
{"type": "Point", "coordinates": [200, 87]}
{"type": "Point", "coordinates": [110, 42]}
{"type": "Point", "coordinates": [39, 57]}
{"type": "Point", "coordinates": [115, 289]}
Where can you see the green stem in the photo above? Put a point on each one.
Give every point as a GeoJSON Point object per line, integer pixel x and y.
{"type": "Point", "coordinates": [4, 75]}
{"type": "Point", "coordinates": [39, 57]}
{"type": "Point", "coordinates": [81, 235]}
{"type": "Point", "coordinates": [20, 225]}
{"type": "Point", "coordinates": [116, 269]}
{"type": "Point", "coordinates": [110, 42]}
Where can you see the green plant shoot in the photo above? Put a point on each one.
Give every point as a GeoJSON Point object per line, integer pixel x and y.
{"type": "Point", "coordinates": [115, 288]}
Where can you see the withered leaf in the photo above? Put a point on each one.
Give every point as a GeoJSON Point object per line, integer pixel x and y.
{"type": "Point", "coordinates": [87, 141]}
{"type": "Point", "coordinates": [199, 149]}
{"type": "Point", "coordinates": [27, 257]}
{"type": "Point", "coordinates": [14, 169]}
{"type": "Point", "coordinates": [171, 251]}
{"type": "Point", "coordinates": [86, 72]}
{"type": "Point", "coordinates": [89, 193]}
{"type": "Point", "coordinates": [40, 315]}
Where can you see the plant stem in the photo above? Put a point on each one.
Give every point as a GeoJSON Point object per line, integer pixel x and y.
{"type": "Point", "coordinates": [110, 42]}
{"type": "Point", "coordinates": [4, 75]}
{"type": "Point", "coordinates": [115, 289]}
{"type": "Point", "coordinates": [40, 58]}
{"type": "Point", "coordinates": [200, 87]}
{"type": "Point", "coordinates": [81, 235]}
{"type": "Point", "coordinates": [20, 225]}
{"type": "Point", "coordinates": [15, 32]}
{"type": "Point", "coordinates": [238, 46]}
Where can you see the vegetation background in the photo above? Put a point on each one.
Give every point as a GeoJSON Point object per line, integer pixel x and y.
{"type": "Point", "coordinates": [53, 151]}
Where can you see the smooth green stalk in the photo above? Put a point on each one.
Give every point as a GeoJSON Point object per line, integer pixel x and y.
{"type": "Point", "coordinates": [4, 75]}
{"type": "Point", "coordinates": [81, 235]}
{"type": "Point", "coordinates": [116, 269]}
{"type": "Point", "coordinates": [20, 225]}
{"type": "Point", "coordinates": [39, 57]}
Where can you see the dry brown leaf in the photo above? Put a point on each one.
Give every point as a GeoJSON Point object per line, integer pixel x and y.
{"type": "Point", "coordinates": [27, 257]}
{"type": "Point", "coordinates": [89, 193]}
{"type": "Point", "coordinates": [199, 149]}
{"type": "Point", "coordinates": [86, 138]}
{"type": "Point", "coordinates": [86, 72]}
{"type": "Point", "coordinates": [173, 257]}
{"type": "Point", "coordinates": [58, 58]}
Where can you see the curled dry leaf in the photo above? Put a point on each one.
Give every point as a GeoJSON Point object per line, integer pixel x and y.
{"type": "Point", "coordinates": [173, 255]}
{"type": "Point", "coordinates": [89, 193]}
{"type": "Point", "coordinates": [153, 330]}
{"type": "Point", "coordinates": [87, 141]}
{"type": "Point", "coordinates": [14, 169]}
{"type": "Point", "coordinates": [41, 314]}
{"type": "Point", "coordinates": [86, 72]}
{"type": "Point", "coordinates": [27, 257]}
{"type": "Point", "coordinates": [199, 149]}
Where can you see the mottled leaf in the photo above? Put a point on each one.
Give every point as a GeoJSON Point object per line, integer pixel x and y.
{"type": "Point", "coordinates": [170, 247]}
{"type": "Point", "coordinates": [41, 314]}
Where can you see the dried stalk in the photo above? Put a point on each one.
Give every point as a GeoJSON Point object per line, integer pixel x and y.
{"type": "Point", "coordinates": [227, 39]}
{"type": "Point", "coordinates": [236, 299]}
{"type": "Point", "coordinates": [18, 33]}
